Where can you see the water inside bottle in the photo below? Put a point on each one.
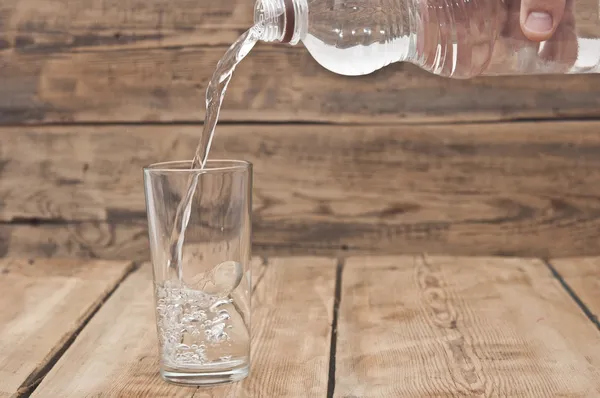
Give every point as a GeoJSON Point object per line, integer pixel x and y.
{"type": "Point", "coordinates": [459, 39]}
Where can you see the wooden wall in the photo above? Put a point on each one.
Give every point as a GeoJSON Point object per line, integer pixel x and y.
{"type": "Point", "coordinates": [396, 162]}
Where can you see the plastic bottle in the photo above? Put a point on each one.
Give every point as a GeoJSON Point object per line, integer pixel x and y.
{"type": "Point", "coordinates": [453, 38]}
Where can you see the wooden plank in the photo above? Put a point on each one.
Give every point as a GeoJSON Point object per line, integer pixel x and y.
{"type": "Point", "coordinates": [474, 189]}
{"type": "Point", "coordinates": [116, 61]}
{"type": "Point", "coordinates": [37, 26]}
{"type": "Point", "coordinates": [168, 84]}
{"type": "Point", "coordinates": [129, 241]}
{"type": "Point", "coordinates": [448, 326]}
{"type": "Point", "coordinates": [106, 240]}
{"type": "Point", "coordinates": [582, 274]}
{"type": "Point", "coordinates": [116, 353]}
{"type": "Point", "coordinates": [43, 303]}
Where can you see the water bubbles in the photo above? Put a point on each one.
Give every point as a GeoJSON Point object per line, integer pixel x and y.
{"type": "Point", "coordinates": [189, 320]}
{"type": "Point", "coordinates": [216, 333]}
{"type": "Point", "coordinates": [195, 332]}
{"type": "Point", "coordinates": [184, 354]}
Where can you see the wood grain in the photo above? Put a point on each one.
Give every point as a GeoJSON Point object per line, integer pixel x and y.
{"type": "Point", "coordinates": [43, 303]}
{"type": "Point", "coordinates": [582, 274]}
{"type": "Point", "coordinates": [32, 26]}
{"type": "Point", "coordinates": [447, 326]}
{"type": "Point", "coordinates": [274, 83]}
{"type": "Point", "coordinates": [112, 241]}
{"type": "Point", "coordinates": [123, 241]}
{"type": "Point", "coordinates": [116, 353]}
{"type": "Point", "coordinates": [527, 189]}
{"type": "Point", "coordinates": [291, 314]}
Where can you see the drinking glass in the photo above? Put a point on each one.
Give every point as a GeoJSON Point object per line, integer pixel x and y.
{"type": "Point", "coordinates": [202, 277]}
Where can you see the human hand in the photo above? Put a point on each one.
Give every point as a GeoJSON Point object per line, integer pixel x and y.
{"type": "Point", "coordinates": [496, 36]}
{"type": "Point", "coordinates": [548, 21]}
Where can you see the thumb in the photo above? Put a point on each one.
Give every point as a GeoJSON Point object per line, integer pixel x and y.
{"type": "Point", "coordinates": [539, 18]}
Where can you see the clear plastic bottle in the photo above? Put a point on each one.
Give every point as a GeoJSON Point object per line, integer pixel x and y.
{"type": "Point", "coordinates": [453, 38]}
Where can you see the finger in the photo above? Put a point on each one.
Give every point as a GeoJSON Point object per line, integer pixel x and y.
{"type": "Point", "coordinates": [522, 53]}
{"type": "Point", "coordinates": [463, 57]}
{"type": "Point", "coordinates": [474, 37]}
{"type": "Point", "coordinates": [502, 59]}
{"type": "Point", "coordinates": [540, 18]}
{"type": "Point", "coordinates": [561, 50]}
{"type": "Point", "coordinates": [465, 16]}
{"type": "Point", "coordinates": [486, 34]}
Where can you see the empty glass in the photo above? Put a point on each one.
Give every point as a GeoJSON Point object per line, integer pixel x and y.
{"type": "Point", "coordinates": [202, 276]}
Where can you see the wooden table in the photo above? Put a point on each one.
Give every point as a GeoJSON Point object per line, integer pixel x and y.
{"type": "Point", "coordinates": [322, 327]}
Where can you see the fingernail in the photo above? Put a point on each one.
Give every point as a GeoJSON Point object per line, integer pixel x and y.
{"type": "Point", "coordinates": [539, 22]}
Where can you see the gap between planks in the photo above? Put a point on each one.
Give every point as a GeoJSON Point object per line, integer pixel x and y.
{"type": "Point", "coordinates": [116, 352]}
{"type": "Point", "coordinates": [337, 301]}
{"type": "Point", "coordinates": [300, 122]}
{"type": "Point", "coordinates": [335, 316]}
{"type": "Point", "coordinates": [29, 386]}
{"type": "Point", "coordinates": [49, 303]}
{"type": "Point", "coordinates": [585, 308]}
{"type": "Point", "coordinates": [442, 326]}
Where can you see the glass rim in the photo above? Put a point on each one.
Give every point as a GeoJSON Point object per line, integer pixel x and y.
{"type": "Point", "coordinates": [171, 166]}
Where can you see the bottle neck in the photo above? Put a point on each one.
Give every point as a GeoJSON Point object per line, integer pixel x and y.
{"type": "Point", "coordinates": [283, 21]}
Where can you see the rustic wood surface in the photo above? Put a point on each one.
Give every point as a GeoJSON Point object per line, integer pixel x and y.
{"type": "Point", "coordinates": [272, 84]}
{"type": "Point", "coordinates": [115, 61]}
{"type": "Point", "coordinates": [401, 326]}
{"type": "Point", "coordinates": [518, 189]}
{"type": "Point", "coordinates": [43, 304]}
{"type": "Point", "coordinates": [116, 355]}
{"type": "Point", "coordinates": [113, 241]}
{"type": "Point", "coordinates": [67, 25]}
{"type": "Point", "coordinates": [447, 326]}
{"type": "Point", "coordinates": [481, 189]}
{"type": "Point", "coordinates": [582, 276]}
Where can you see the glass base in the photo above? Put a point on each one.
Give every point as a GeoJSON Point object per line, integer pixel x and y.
{"type": "Point", "coordinates": [189, 377]}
